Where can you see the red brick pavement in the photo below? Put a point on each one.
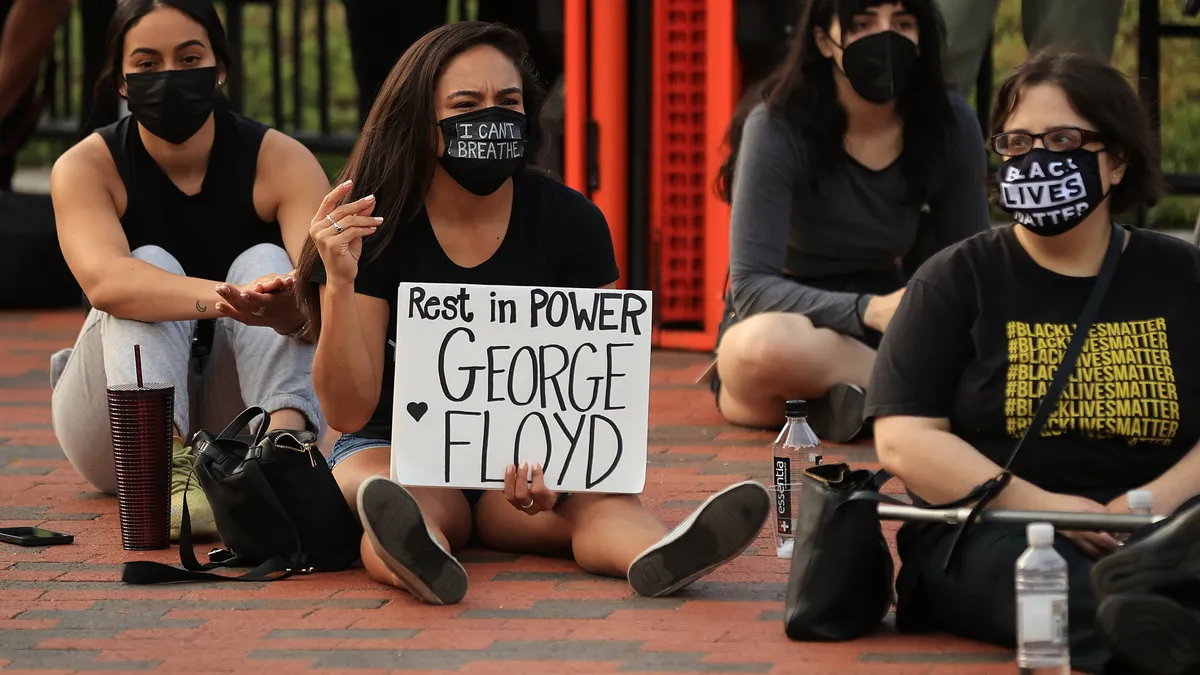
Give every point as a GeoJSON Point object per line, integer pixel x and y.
{"type": "Point", "coordinates": [64, 610]}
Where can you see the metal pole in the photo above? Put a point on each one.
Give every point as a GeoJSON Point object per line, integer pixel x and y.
{"type": "Point", "coordinates": [1062, 520]}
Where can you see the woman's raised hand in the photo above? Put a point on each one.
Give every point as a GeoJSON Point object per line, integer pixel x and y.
{"type": "Point", "coordinates": [338, 232]}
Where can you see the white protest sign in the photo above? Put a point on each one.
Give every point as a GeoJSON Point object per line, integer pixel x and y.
{"type": "Point", "coordinates": [488, 376]}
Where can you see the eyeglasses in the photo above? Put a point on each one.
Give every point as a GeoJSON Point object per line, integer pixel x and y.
{"type": "Point", "coordinates": [1060, 139]}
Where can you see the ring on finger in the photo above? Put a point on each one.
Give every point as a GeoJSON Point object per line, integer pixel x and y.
{"type": "Point", "coordinates": [334, 223]}
{"type": "Point", "coordinates": [529, 505]}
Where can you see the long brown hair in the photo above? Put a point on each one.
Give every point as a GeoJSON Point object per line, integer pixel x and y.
{"type": "Point", "coordinates": [802, 91]}
{"type": "Point", "coordinates": [395, 157]}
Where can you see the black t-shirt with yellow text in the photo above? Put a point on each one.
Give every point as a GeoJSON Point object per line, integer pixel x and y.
{"type": "Point", "coordinates": [982, 328]}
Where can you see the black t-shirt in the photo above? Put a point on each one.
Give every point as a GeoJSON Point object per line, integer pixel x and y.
{"type": "Point", "coordinates": [982, 327]}
{"type": "Point", "coordinates": [555, 237]}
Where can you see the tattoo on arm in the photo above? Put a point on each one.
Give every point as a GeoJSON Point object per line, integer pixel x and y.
{"type": "Point", "coordinates": [200, 307]}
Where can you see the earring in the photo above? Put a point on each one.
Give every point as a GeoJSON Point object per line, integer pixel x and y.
{"type": "Point", "coordinates": [220, 82]}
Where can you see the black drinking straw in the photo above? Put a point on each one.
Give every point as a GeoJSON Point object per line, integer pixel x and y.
{"type": "Point", "coordinates": [137, 362]}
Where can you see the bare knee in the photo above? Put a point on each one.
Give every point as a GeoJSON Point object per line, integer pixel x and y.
{"type": "Point", "coordinates": [757, 349]}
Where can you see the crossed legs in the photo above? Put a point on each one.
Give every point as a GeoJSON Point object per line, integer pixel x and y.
{"type": "Point", "coordinates": [769, 358]}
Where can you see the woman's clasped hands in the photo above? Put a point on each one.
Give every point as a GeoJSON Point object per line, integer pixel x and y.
{"type": "Point", "coordinates": [266, 301]}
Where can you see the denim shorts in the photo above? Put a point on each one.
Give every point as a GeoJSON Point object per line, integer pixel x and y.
{"type": "Point", "coordinates": [348, 445]}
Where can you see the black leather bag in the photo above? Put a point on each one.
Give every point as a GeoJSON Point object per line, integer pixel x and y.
{"type": "Point", "coordinates": [840, 585]}
{"type": "Point", "coordinates": [276, 506]}
{"type": "Point", "coordinates": [837, 591]}
{"type": "Point", "coordinates": [840, 582]}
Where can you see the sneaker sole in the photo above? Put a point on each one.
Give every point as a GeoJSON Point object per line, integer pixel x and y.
{"type": "Point", "coordinates": [838, 416]}
{"type": "Point", "coordinates": [1146, 565]}
{"type": "Point", "coordinates": [735, 516]}
{"type": "Point", "coordinates": [397, 531]}
{"type": "Point", "coordinates": [1155, 634]}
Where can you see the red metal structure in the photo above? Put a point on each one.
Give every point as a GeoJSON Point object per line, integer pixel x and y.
{"type": "Point", "coordinates": [680, 248]}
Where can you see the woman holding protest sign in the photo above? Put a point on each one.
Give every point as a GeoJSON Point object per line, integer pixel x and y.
{"type": "Point", "coordinates": [439, 189]}
{"type": "Point", "coordinates": [982, 331]}
{"type": "Point", "coordinates": [848, 166]}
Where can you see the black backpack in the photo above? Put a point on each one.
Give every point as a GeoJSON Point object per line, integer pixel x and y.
{"type": "Point", "coordinates": [276, 506]}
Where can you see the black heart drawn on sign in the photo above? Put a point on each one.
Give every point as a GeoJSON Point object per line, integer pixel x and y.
{"type": "Point", "coordinates": [418, 410]}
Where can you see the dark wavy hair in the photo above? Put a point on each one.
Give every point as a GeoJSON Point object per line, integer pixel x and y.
{"type": "Point", "coordinates": [1102, 95]}
{"type": "Point", "coordinates": [395, 155]}
{"type": "Point", "coordinates": [129, 12]}
{"type": "Point", "coordinates": [802, 90]}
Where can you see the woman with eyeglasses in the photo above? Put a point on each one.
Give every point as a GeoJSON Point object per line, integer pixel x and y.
{"type": "Point", "coordinates": [849, 165]}
{"type": "Point", "coordinates": [975, 343]}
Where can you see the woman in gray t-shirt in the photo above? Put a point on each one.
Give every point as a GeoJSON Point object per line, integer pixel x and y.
{"type": "Point", "coordinates": [849, 165]}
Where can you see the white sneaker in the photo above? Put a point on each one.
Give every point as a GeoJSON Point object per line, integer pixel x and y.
{"type": "Point", "coordinates": [717, 532]}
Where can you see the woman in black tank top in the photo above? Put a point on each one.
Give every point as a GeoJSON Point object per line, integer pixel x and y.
{"type": "Point", "coordinates": [181, 223]}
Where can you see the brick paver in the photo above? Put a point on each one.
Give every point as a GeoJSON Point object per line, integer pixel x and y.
{"type": "Point", "coordinates": [64, 610]}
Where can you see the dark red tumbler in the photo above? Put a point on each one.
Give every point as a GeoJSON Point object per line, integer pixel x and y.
{"type": "Point", "coordinates": [141, 422]}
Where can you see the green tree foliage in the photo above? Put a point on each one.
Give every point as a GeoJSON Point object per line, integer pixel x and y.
{"type": "Point", "coordinates": [1180, 82]}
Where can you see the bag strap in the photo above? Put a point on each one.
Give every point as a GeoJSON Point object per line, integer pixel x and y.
{"type": "Point", "coordinates": [243, 420]}
{"type": "Point", "coordinates": [1048, 404]}
{"type": "Point", "coordinates": [1078, 339]}
{"type": "Point", "coordinates": [144, 572]}
{"type": "Point", "coordinates": [871, 492]}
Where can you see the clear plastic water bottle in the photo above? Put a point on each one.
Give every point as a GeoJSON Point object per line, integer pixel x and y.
{"type": "Point", "coordinates": [1141, 502]}
{"type": "Point", "coordinates": [795, 449]}
{"type": "Point", "coordinates": [1043, 645]}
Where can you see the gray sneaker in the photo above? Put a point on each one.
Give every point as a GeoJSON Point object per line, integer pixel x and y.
{"type": "Point", "coordinates": [397, 531]}
{"type": "Point", "coordinates": [1151, 633]}
{"type": "Point", "coordinates": [717, 532]}
{"type": "Point", "coordinates": [837, 417]}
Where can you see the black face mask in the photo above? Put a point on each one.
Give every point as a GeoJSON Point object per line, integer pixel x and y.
{"type": "Point", "coordinates": [879, 66]}
{"type": "Point", "coordinates": [1051, 192]}
{"type": "Point", "coordinates": [173, 104]}
{"type": "Point", "coordinates": [484, 148]}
